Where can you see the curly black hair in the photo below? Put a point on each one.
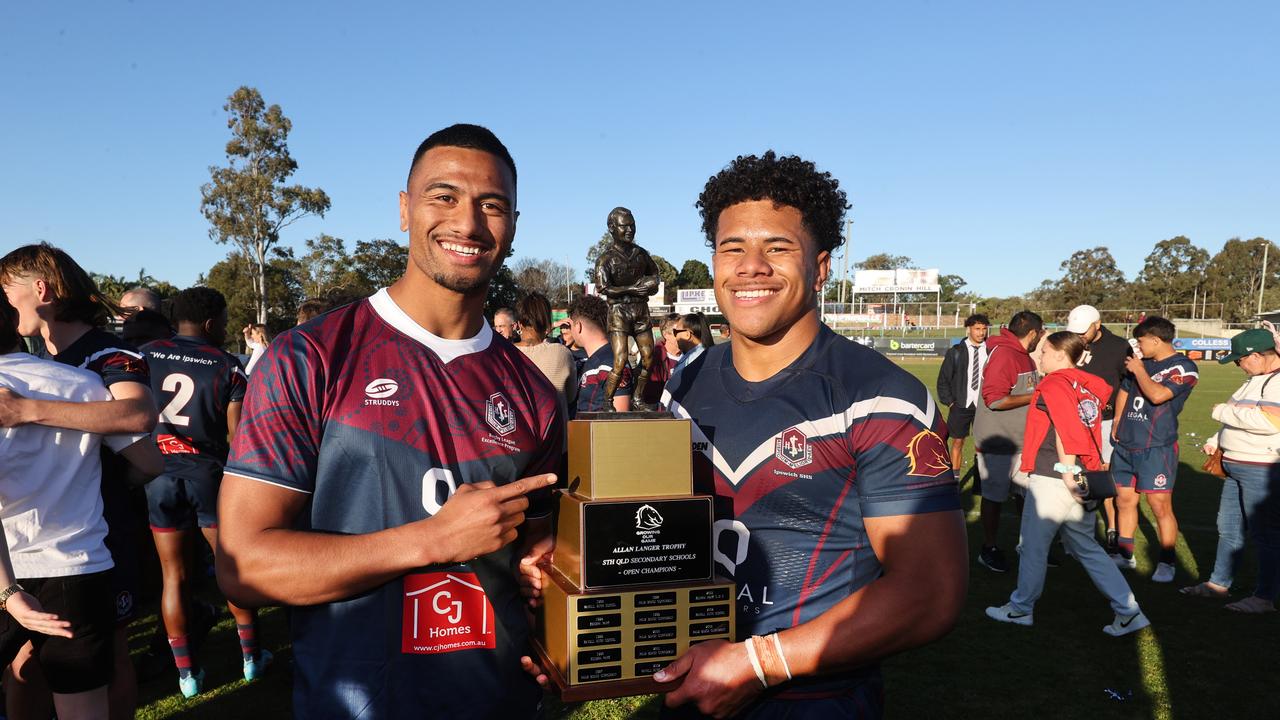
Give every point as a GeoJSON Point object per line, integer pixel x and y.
{"type": "Point", "coordinates": [787, 180]}
{"type": "Point", "coordinates": [198, 304]}
{"type": "Point", "coordinates": [592, 309]}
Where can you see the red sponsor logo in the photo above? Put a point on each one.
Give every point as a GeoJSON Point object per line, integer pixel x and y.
{"type": "Point", "coordinates": [445, 612]}
{"type": "Point", "coordinates": [175, 445]}
{"type": "Point", "coordinates": [927, 454]}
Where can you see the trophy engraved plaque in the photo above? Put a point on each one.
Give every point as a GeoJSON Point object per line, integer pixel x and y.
{"type": "Point", "coordinates": [631, 583]}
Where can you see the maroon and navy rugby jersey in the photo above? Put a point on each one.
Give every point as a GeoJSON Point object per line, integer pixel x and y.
{"type": "Point", "coordinates": [796, 462]}
{"type": "Point", "coordinates": [113, 359]}
{"type": "Point", "coordinates": [194, 383]}
{"type": "Point", "coordinates": [592, 378]}
{"type": "Point", "coordinates": [1144, 425]}
{"type": "Point", "coordinates": [379, 421]}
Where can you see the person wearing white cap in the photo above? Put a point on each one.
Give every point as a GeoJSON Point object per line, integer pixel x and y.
{"type": "Point", "coordinates": [1104, 357]}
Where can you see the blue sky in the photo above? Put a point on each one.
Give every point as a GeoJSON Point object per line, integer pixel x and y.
{"type": "Point", "coordinates": [988, 139]}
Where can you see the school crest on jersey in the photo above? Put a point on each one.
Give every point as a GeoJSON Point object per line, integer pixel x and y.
{"type": "Point", "coordinates": [927, 454]}
{"type": "Point", "coordinates": [792, 448]}
{"type": "Point", "coordinates": [498, 414]}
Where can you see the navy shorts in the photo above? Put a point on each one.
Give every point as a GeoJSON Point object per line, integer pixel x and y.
{"type": "Point", "coordinates": [959, 421]}
{"type": "Point", "coordinates": [177, 502]}
{"type": "Point", "coordinates": [1148, 471]}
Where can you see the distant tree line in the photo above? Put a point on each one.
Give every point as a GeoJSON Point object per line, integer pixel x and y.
{"type": "Point", "coordinates": [1176, 276]}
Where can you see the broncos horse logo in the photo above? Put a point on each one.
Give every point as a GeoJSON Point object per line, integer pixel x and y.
{"type": "Point", "coordinates": [927, 454]}
{"type": "Point", "coordinates": [647, 518]}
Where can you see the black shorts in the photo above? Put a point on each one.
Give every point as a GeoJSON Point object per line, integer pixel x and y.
{"type": "Point", "coordinates": [122, 540]}
{"type": "Point", "coordinates": [80, 663]}
{"type": "Point", "coordinates": [959, 421]}
{"type": "Point", "coordinates": [177, 503]}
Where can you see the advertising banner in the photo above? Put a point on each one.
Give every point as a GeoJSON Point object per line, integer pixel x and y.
{"type": "Point", "coordinates": [915, 347]}
{"type": "Point", "coordinates": [1202, 348]}
{"type": "Point", "coordinates": [896, 281]}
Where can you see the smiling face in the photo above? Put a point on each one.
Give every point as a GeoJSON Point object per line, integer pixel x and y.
{"type": "Point", "coordinates": [459, 211]}
{"type": "Point", "coordinates": [768, 270]}
{"type": "Point", "coordinates": [622, 227]}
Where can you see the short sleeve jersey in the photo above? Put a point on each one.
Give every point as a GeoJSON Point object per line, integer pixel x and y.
{"type": "Point", "coordinates": [379, 421]}
{"type": "Point", "coordinates": [115, 361]}
{"type": "Point", "coordinates": [194, 383]}
{"type": "Point", "coordinates": [798, 461]}
{"type": "Point", "coordinates": [592, 379]}
{"type": "Point", "coordinates": [1145, 425]}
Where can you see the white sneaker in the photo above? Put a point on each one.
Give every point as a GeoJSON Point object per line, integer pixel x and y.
{"type": "Point", "coordinates": [1163, 574]}
{"type": "Point", "coordinates": [1006, 613]}
{"type": "Point", "coordinates": [1124, 563]}
{"type": "Point", "coordinates": [1125, 624]}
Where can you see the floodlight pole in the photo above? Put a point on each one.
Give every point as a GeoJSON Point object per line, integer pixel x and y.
{"type": "Point", "coordinates": [1262, 283]}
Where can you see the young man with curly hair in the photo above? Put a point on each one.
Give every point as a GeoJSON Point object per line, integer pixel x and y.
{"type": "Point", "coordinates": [837, 512]}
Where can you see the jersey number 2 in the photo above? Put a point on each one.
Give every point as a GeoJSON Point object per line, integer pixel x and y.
{"type": "Point", "coordinates": [182, 387]}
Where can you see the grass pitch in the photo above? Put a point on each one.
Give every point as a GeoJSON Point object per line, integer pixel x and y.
{"type": "Point", "coordinates": [1197, 659]}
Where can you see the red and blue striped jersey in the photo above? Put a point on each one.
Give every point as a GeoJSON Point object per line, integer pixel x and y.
{"type": "Point", "coordinates": [379, 421]}
{"type": "Point", "coordinates": [592, 377]}
{"type": "Point", "coordinates": [796, 463]}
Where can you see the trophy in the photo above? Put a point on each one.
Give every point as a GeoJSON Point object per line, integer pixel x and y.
{"type": "Point", "coordinates": [631, 584]}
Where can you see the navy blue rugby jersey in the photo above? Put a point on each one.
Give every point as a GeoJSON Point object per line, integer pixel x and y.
{"type": "Point", "coordinates": [796, 462]}
{"type": "Point", "coordinates": [379, 421]}
{"type": "Point", "coordinates": [592, 377]}
{"type": "Point", "coordinates": [115, 361]}
{"type": "Point", "coordinates": [194, 383]}
{"type": "Point", "coordinates": [1144, 425]}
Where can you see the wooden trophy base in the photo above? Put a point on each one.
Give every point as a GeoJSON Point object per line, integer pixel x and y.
{"type": "Point", "coordinates": [607, 643]}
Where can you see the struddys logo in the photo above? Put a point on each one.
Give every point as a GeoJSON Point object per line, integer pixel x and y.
{"type": "Point", "coordinates": [648, 518]}
{"type": "Point", "coordinates": [498, 414]}
{"type": "Point", "coordinates": [1089, 412]}
{"type": "Point", "coordinates": [927, 455]}
{"type": "Point", "coordinates": [379, 392]}
{"type": "Point", "coordinates": [792, 448]}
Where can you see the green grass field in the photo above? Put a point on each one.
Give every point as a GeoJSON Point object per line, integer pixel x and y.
{"type": "Point", "coordinates": [1197, 659]}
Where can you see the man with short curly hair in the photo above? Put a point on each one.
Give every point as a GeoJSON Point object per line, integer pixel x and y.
{"type": "Point", "coordinates": [836, 505]}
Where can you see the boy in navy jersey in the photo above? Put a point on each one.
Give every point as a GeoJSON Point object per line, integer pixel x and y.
{"type": "Point", "coordinates": [1145, 459]}
{"type": "Point", "coordinates": [199, 388]}
{"type": "Point", "coordinates": [837, 512]}
{"type": "Point", "coordinates": [58, 302]}
{"type": "Point", "coordinates": [392, 452]}
{"type": "Point", "coordinates": [588, 319]}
